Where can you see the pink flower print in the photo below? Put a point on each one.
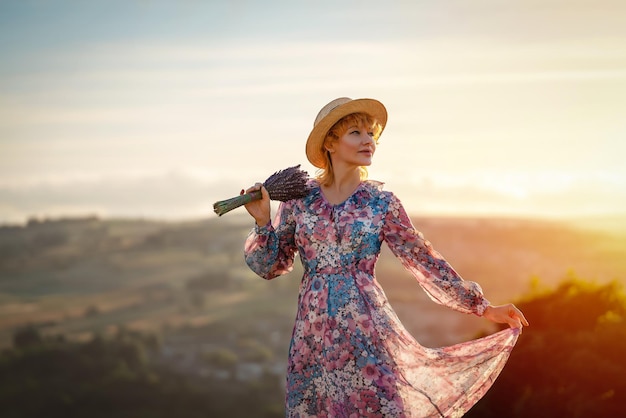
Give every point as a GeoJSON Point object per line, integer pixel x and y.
{"type": "Point", "coordinates": [393, 236]}
{"type": "Point", "coordinates": [338, 410]}
{"type": "Point", "coordinates": [322, 299]}
{"type": "Point", "coordinates": [386, 381]}
{"type": "Point", "coordinates": [351, 324]}
{"type": "Point", "coordinates": [262, 240]}
{"type": "Point", "coordinates": [368, 401]}
{"type": "Point", "coordinates": [328, 337]}
{"type": "Point", "coordinates": [321, 408]}
{"type": "Point", "coordinates": [370, 372]}
{"type": "Point", "coordinates": [301, 356]}
{"type": "Point", "coordinates": [364, 281]}
{"type": "Point", "coordinates": [331, 333]}
{"type": "Point", "coordinates": [365, 213]}
{"type": "Point", "coordinates": [321, 211]}
{"type": "Point", "coordinates": [307, 300]}
{"type": "Point", "coordinates": [315, 327]}
{"type": "Point", "coordinates": [298, 363]}
{"type": "Point", "coordinates": [343, 359]}
{"type": "Point", "coordinates": [304, 241]}
{"type": "Point", "coordinates": [320, 232]}
{"type": "Point", "coordinates": [318, 327]}
{"type": "Point", "coordinates": [355, 399]}
{"type": "Point", "coordinates": [299, 345]}
{"type": "Point", "coordinates": [315, 297]}
{"type": "Point", "coordinates": [317, 206]}
{"type": "Point", "coordinates": [309, 252]}
{"type": "Point", "coordinates": [345, 219]}
{"type": "Point", "coordinates": [332, 323]}
{"type": "Point", "coordinates": [366, 265]}
{"type": "Point", "coordinates": [366, 324]}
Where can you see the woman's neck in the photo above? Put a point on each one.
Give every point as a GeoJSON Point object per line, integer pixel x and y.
{"type": "Point", "coordinates": [344, 184]}
{"type": "Point", "coordinates": [345, 177]}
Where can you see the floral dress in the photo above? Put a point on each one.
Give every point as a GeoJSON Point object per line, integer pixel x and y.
{"type": "Point", "coordinates": [350, 356]}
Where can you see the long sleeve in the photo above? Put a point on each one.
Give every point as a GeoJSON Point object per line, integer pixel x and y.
{"type": "Point", "coordinates": [432, 271]}
{"type": "Point", "coordinates": [270, 250]}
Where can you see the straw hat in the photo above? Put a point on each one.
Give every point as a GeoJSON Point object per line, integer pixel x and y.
{"type": "Point", "coordinates": [331, 114]}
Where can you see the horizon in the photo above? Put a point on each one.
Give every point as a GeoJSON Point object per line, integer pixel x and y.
{"type": "Point", "coordinates": [610, 223]}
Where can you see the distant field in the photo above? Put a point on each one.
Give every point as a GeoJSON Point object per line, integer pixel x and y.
{"type": "Point", "coordinates": [82, 276]}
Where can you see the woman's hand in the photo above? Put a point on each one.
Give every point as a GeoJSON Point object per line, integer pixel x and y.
{"type": "Point", "coordinates": [506, 314]}
{"type": "Point", "coordinates": [259, 209]}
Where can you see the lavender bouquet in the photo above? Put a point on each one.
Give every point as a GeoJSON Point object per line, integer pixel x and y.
{"type": "Point", "coordinates": [283, 185]}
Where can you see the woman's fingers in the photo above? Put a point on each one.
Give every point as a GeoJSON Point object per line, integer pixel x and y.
{"type": "Point", "coordinates": [508, 314]}
{"type": "Point", "coordinates": [264, 193]}
{"type": "Point", "coordinates": [515, 313]}
{"type": "Point", "coordinates": [257, 186]}
{"type": "Point", "coordinates": [259, 209]}
{"type": "Point", "coordinates": [514, 323]}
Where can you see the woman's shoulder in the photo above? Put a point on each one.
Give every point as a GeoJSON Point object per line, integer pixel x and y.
{"type": "Point", "coordinates": [312, 183]}
{"type": "Point", "coordinates": [313, 193]}
{"type": "Point", "coordinates": [374, 190]}
{"type": "Point", "coordinates": [314, 188]}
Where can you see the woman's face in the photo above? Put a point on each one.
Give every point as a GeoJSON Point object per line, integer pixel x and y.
{"type": "Point", "coordinates": [355, 147]}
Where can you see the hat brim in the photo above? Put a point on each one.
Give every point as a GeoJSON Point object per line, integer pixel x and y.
{"type": "Point", "coordinates": [314, 143]}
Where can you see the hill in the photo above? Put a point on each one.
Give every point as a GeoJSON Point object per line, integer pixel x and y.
{"type": "Point", "coordinates": [85, 275]}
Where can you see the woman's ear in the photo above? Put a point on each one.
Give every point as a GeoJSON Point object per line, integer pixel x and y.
{"type": "Point", "coordinates": [329, 145]}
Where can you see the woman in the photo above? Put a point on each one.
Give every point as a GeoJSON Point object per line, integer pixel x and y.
{"type": "Point", "coordinates": [349, 355]}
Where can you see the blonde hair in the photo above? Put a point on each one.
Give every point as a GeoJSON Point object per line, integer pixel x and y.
{"type": "Point", "coordinates": [325, 175]}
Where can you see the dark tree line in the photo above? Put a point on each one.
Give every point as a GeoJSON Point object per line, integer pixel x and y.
{"type": "Point", "coordinates": [115, 378]}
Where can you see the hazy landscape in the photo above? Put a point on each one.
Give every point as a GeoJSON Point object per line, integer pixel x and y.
{"type": "Point", "coordinates": [186, 285]}
{"type": "Point", "coordinates": [82, 276]}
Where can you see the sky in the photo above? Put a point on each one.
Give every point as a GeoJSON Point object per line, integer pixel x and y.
{"type": "Point", "coordinates": [158, 109]}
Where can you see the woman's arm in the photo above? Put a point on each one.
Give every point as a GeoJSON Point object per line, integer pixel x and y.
{"type": "Point", "coordinates": [440, 281]}
{"type": "Point", "coordinates": [270, 248]}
